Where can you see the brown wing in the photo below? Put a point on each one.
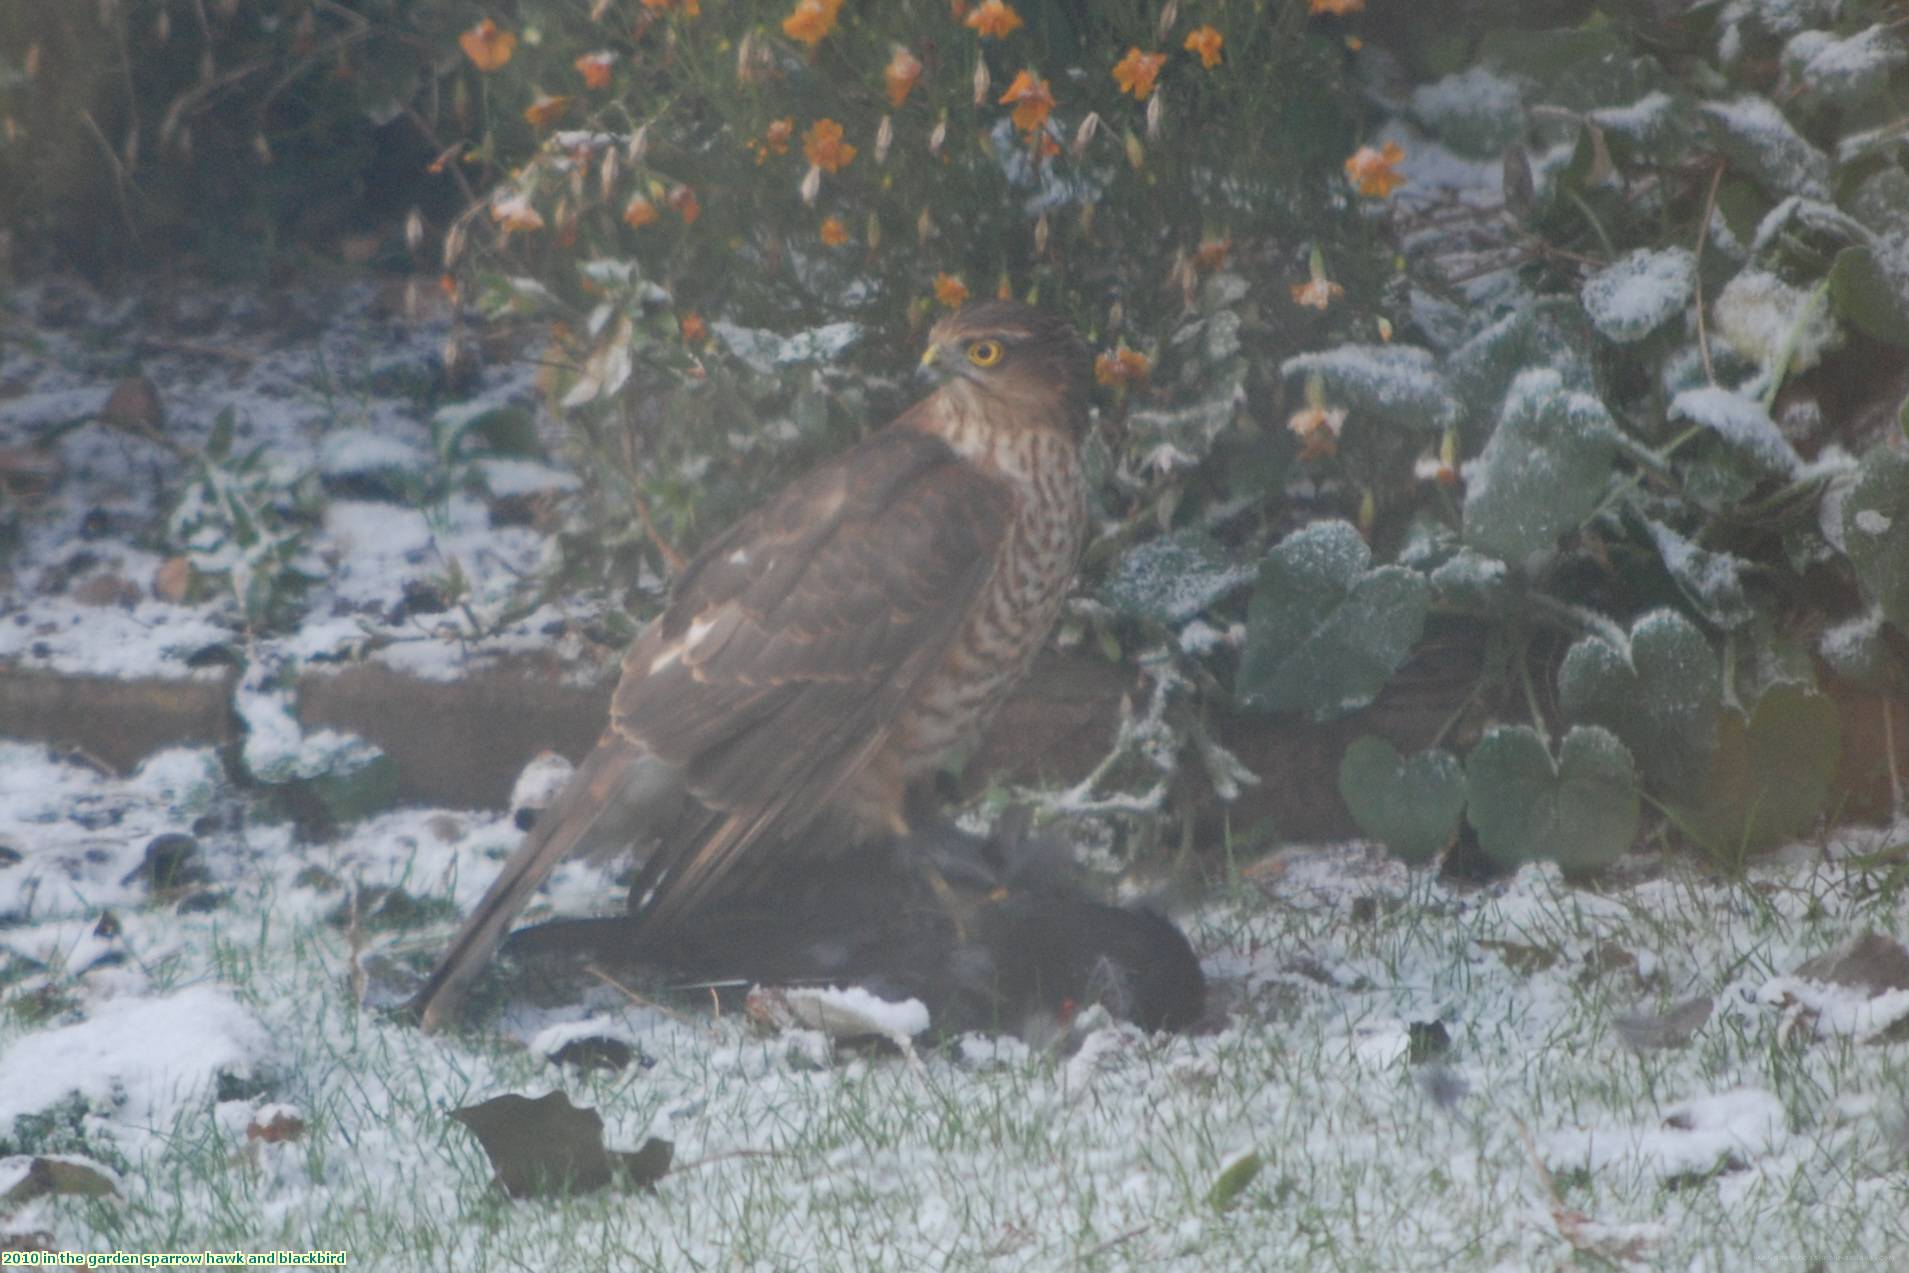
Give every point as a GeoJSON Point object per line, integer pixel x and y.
{"type": "Point", "coordinates": [793, 641]}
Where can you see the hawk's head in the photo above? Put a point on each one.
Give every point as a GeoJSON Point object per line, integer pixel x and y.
{"type": "Point", "coordinates": [1024, 357]}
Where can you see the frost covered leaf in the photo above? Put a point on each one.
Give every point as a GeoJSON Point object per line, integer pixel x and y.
{"type": "Point", "coordinates": [1579, 811]}
{"type": "Point", "coordinates": [1411, 806]}
{"type": "Point", "coordinates": [1397, 384]}
{"type": "Point", "coordinates": [1876, 531]}
{"type": "Point", "coordinates": [1758, 140]}
{"type": "Point", "coordinates": [1324, 631]}
{"type": "Point", "coordinates": [1639, 292]}
{"type": "Point", "coordinates": [1544, 470]}
{"type": "Point", "coordinates": [1659, 1031]}
{"type": "Point", "coordinates": [1856, 651]}
{"type": "Point", "coordinates": [1552, 333]}
{"type": "Point", "coordinates": [547, 1147]}
{"type": "Point", "coordinates": [1172, 578]}
{"type": "Point", "coordinates": [1477, 112]}
{"type": "Point", "coordinates": [1743, 425]}
{"type": "Point", "coordinates": [1472, 580]}
{"type": "Point", "coordinates": [1661, 697]}
{"type": "Point", "coordinates": [1847, 71]}
{"type": "Point", "coordinates": [1655, 128]}
{"type": "Point", "coordinates": [1712, 582]}
{"type": "Point", "coordinates": [1771, 773]}
{"type": "Point", "coordinates": [1872, 295]}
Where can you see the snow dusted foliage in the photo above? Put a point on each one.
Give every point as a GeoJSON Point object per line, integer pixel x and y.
{"type": "Point", "coordinates": [1325, 630]}
{"type": "Point", "coordinates": [1757, 136]}
{"type": "Point", "coordinates": [1847, 71]}
{"type": "Point", "coordinates": [1173, 578]}
{"type": "Point", "coordinates": [1741, 423]}
{"type": "Point", "coordinates": [1543, 471]}
{"type": "Point", "coordinates": [1477, 111]}
{"type": "Point", "coordinates": [1876, 530]}
{"type": "Point", "coordinates": [1712, 582]}
{"type": "Point", "coordinates": [1640, 292]}
{"type": "Point", "coordinates": [1659, 693]}
{"type": "Point", "coordinates": [1397, 384]}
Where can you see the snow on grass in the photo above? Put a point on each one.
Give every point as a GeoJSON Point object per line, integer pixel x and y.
{"type": "Point", "coordinates": [1332, 963]}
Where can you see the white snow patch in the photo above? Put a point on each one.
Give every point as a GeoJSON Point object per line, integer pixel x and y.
{"type": "Point", "coordinates": [136, 1060]}
{"type": "Point", "coordinates": [1742, 423]}
{"type": "Point", "coordinates": [1696, 1137]}
{"type": "Point", "coordinates": [1639, 292]}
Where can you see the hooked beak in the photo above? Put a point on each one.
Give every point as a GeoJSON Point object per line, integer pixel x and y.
{"type": "Point", "coordinates": [931, 372]}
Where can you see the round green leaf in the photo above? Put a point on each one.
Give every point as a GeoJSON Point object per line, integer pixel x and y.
{"type": "Point", "coordinates": [1580, 811]}
{"type": "Point", "coordinates": [1399, 385]}
{"type": "Point", "coordinates": [1876, 531]}
{"type": "Point", "coordinates": [1324, 631]}
{"type": "Point", "coordinates": [1771, 774]}
{"type": "Point", "coordinates": [1660, 697]}
{"type": "Point", "coordinates": [1872, 297]}
{"type": "Point", "coordinates": [1544, 470]}
{"type": "Point", "coordinates": [1411, 806]}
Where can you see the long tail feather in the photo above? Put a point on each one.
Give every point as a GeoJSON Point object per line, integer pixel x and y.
{"type": "Point", "coordinates": [615, 794]}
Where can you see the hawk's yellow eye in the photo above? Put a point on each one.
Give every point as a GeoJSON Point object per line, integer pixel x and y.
{"type": "Point", "coordinates": [984, 353]}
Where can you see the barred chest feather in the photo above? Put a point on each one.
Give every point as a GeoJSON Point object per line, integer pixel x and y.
{"type": "Point", "coordinates": [1009, 623]}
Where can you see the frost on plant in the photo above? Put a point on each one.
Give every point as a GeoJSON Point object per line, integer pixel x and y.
{"type": "Point", "coordinates": [1639, 292]}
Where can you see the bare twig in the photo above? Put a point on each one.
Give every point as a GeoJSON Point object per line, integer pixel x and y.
{"type": "Point", "coordinates": [1703, 236]}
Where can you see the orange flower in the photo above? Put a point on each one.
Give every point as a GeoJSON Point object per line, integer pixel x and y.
{"type": "Point", "coordinates": [690, 8]}
{"type": "Point", "coordinates": [1318, 292]}
{"type": "Point", "coordinates": [1032, 101]}
{"type": "Point", "coordinates": [1205, 41]}
{"type": "Point", "coordinates": [487, 46]}
{"type": "Point", "coordinates": [1318, 430]}
{"type": "Point", "coordinates": [810, 20]}
{"type": "Point", "coordinates": [903, 69]}
{"type": "Point", "coordinates": [825, 148]}
{"type": "Point", "coordinates": [1337, 8]}
{"type": "Point", "coordinates": [546, 110]}
{"type": "Point", "coordinates": [639, 212]}
{"type": "Point", "coordinates": [1373, 172]}
{"type": "Point", "coordinates": [775, 138]}
{"type": "Point", "coordinates": [695, 330]}
{"type": "Point", "coordinates": [1136, 72]}
{"type": "Point", "coordinates": [595, 69]}
{"type": "Point", "coordinates": [1211, 254]}
{"type": "Point", "coordinates": [514, 212]}
{"type": "Point", "coordinates": [950, 290]}
{"type": "Point", "coordinates": [993, 19]}
{"type": "Point", "coordinates": [683, 199]}
{"type": "Point", "coordinates": [1122, 366]}
{"type": "Point", "coordinates": [834, 233]}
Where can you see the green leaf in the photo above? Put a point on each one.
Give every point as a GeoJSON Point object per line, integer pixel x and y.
{"type": "Point", "coordinates": [1876, 531]}
{"type": "Point", "coordinates": [1233, 1181]}
{"type": "Point", "coordinates": [1870, 296]}
{"type": "Point", "coordinates": [1476, 112]}
{"type": "Point", "coordinates": [1579, 811]}
{"type": "Point", "coordinates": [1544, 470]}
{"type": "Point", "coordinates": [1398, 385]}
{"type": "Point", "coordinates": [1410, 806]}
{"type": "Point", "coordinates": [1771, 774]}
{"type": "Point", "coordinates": [1172, 578]}
{"type": "Point", "coordinates": [1325, 631]}
{"type": "Point", "coordinates": [219, 445]}
{"type": "Point", "coordinates": [1660, 697]}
